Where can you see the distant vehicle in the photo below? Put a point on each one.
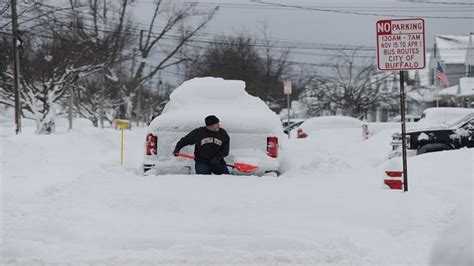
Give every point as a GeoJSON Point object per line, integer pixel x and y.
{"type": "Point", "coordinates": [294, 123]}
{"type": "Point", "coordinates": [408, 118]}
{"type": "Point", "coordinates": [430, 137]}
{"type": "Point", "coordinates": [256, 133]}
{"type": "Point", "coordinates": [328, 122]}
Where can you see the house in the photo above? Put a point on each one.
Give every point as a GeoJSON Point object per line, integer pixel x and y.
{"type": "Point", "coordinates": [461, 92]}
{"type": "Point", "coordinates": [450, 51]}
{"type": "Point", "coordinates": [418, 95]}
{"type": "Point", "coordinates": [461, 95]}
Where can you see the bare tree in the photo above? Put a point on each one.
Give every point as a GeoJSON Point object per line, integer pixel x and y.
{"type": "Point", "coordinates": [4, 8]}
{"type": "Point", "coordinates": [166, 41]}
{"type": "Point", "coordinates": [350, 90]}
{"type": "Point", "coordinates": [275, 66]}
{"type": "Point", "coordinates": [54, 60]}
{"type": "Point", "coordinates": [242, 57]}
{"type": "Point", "coordinates": [230, 58]}
{"type": "Point", "coordinates": [98, 96]}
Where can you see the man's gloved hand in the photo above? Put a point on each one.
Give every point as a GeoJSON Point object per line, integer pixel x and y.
{"type": "Point", "coordinates": [215, 160]}
{"type": "Point", "coordinates": [175, 152]}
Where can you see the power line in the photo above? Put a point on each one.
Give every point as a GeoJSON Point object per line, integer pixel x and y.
{"type": "Point", "coordinates": [281, 44]}
{"type": "Point", "coordinates": [352, 12]}
{"type": "Point", "coordinates": [261, 43]}
{"type": "Point", "coordinates": [298, 46]}
{"type": "Point", "coordinates": [445, 3]}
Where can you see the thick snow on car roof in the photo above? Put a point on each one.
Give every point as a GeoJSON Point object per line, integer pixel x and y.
{"type": "Point", "coordinates": [237, 111]}
{"type": "Point", "coordinates": [441, 117]}
{"type": "Point", "coordinates": [330, 122]}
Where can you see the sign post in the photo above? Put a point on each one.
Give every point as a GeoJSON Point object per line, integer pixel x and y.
{"type": "Point", "coordinates": [401, 46]}
{"type": "Point", "coordinates": [287, 91]}
{"type": "Point", "coordinates": [122, 124]}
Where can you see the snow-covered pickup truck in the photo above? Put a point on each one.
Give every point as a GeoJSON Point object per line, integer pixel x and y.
{"type": "Point", "coordinates": [256, 133]}
{"type": "Point", "coordinates": [455, 135]}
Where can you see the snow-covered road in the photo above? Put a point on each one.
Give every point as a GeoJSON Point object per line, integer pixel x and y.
{"type": "Point", "coordinates": [66, 200]}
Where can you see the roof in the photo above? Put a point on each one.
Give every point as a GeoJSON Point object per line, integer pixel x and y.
{"type": "Point", "coordinates": [452, 49]}
{"type": "Point", "coordinates": [465, 88]}
{"type": "Point", "coordinates": [450, 91]}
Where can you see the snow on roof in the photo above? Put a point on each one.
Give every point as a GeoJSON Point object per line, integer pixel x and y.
{"type": "Point", "coordinates": [452, 48]}
{"type": "Point", "coordinates": [197, 98]}
{"type": "Point", "coordinates": [450, 91]}
{"type": "Point", "coordinates": [421, 94]}
{"type": "Point", "coordinates": [466, 86]}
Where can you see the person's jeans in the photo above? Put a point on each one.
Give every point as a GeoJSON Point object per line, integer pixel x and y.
{"type": "Point", "coordinates": [203, 168]}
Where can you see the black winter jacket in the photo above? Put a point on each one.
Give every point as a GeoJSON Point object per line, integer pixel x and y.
{"type": "Point", "coordinates": [208, 144]}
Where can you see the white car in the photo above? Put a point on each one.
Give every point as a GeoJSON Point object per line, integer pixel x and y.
{"type": "Point", "coordinates": [317, 124]}
{"type": "Point", "coordinates": [255, 131]}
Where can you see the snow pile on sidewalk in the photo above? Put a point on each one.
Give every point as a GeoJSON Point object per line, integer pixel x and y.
{"type": "Point", "coordinates": [66, 200]}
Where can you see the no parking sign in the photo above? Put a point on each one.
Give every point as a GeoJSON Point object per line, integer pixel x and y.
{"type": "Point", "coordinates": [401, 44]}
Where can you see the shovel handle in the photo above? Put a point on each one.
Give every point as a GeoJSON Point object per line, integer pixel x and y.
{"type": "Point", "coordinates": [243, 167]}
{"type": "Point", "coordinates": [184, 155]}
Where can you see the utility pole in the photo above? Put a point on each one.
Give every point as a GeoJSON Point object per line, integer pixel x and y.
{"type": "Point", "coordinates": [16, 67]}
{"type": "Point", "coordinates": [404, 134]}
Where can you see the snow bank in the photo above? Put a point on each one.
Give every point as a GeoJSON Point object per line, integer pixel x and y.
{"type": "Point", "coordinates": [67, 201]}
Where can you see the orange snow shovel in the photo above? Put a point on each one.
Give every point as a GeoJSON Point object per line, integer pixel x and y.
{"type": "Point", "coordinates": [242, 167]}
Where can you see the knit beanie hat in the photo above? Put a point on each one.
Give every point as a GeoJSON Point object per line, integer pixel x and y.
{"type": "Point", "coordinates": [211, 120]}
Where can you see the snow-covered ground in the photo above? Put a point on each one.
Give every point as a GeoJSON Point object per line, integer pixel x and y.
{"type": "Point", "coordinates": [65, 199]}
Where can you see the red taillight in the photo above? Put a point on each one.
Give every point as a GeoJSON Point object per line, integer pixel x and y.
{"type": "Point", "coordinates": [394, 173]}
{"type": "Point", "coordinates": [301, 134]}
{"type": "Point", "coordinates": [272, 146]}
{"type": "Point", "coordinates": [151, 143]}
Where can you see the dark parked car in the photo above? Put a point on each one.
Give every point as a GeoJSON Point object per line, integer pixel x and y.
{"type": "Point", "coordinates": [294, 123]}
{"type": "Point", "coordinates": [447, 137]}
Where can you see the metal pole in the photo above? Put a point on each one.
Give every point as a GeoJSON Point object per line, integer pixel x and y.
{"type": "Point", "coordinates": [404, 144]}
{"type": "Point", "coordinates": [288, 107]}
{"type": "Point", "coordinates": [121, 146]}
{"type": "Point", "coordinates": [101, 108]}
{"type": "Point", "coordinates": [71, 102]}
{"type": "Point", "coordinates": [16, 68]}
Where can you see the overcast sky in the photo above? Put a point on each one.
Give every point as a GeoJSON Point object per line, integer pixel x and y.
{"type": "Point", "coordinates": [318, 24]}
{"type": "Point", "coordinates": [344, 22]}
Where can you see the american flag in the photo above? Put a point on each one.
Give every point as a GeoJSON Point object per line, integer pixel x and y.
{"type": "Point", "coordinates": [441, 75]}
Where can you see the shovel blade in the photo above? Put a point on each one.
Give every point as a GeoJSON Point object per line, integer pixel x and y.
{"type": "Point", "coordinates": [245, 168]}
